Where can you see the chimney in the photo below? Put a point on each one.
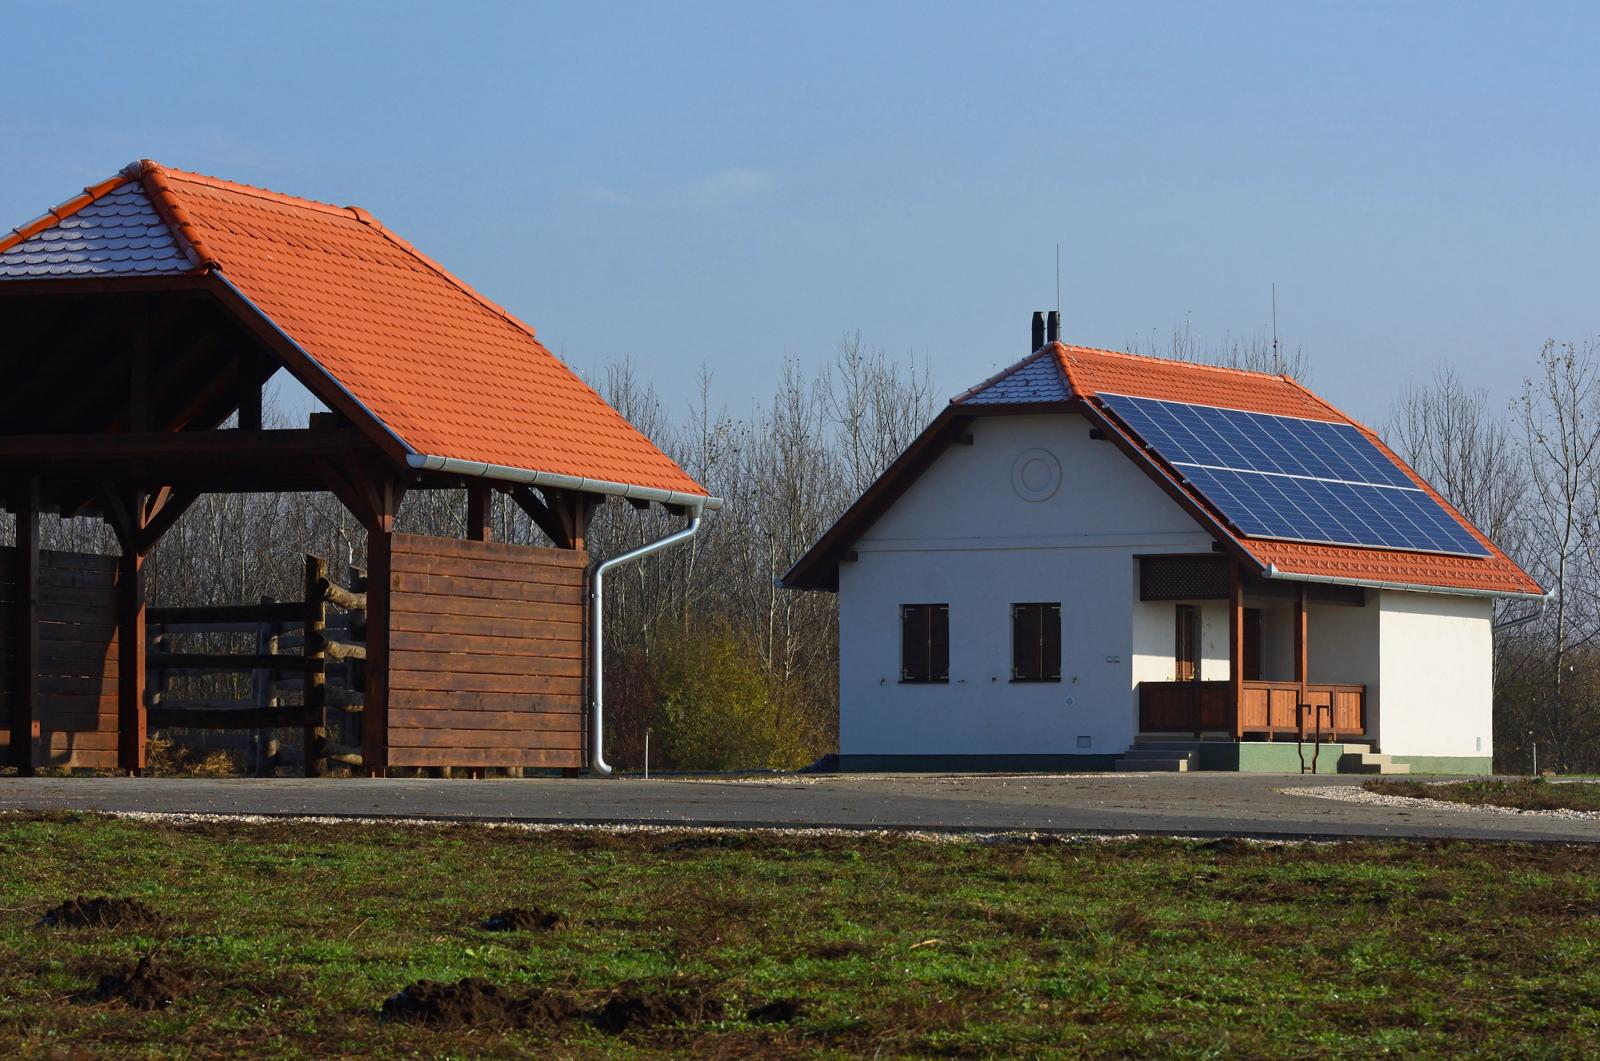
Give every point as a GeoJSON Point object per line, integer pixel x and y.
{"type": "Point", "coordinates": [1038, 331]}
{"type": "Point", "coordinates": [1055, 326]}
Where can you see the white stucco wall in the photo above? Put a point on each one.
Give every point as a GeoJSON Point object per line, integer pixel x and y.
{"type": "Point", "coordinates": [962, 535]}
{"type": "Point", "coordinates": [1436, 675]}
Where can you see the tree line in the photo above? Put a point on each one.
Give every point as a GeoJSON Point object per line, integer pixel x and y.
{"type": "Point", "coordinates": [726, 669]}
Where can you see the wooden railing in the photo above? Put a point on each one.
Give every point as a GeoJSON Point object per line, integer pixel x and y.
{"type": "Point", "coordinates": [1265, 708]}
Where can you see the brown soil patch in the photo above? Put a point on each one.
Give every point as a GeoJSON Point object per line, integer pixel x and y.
{"type": "Point", "coordinates": [520, 919]}
{"type": "Point", "coordinates": [778, 1011]}
{"type": "Point", "coordinates": [101, 912]}
{"type": "Point", "coordinates": [632, 1008]}
{"type": "Point", "coordinates": [145, 986]}
{"type": "Point", "coordinates": [476, 1003]}
{"type": "Point", "coordinates": [839, 949]}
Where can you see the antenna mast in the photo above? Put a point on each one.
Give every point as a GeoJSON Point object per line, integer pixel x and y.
{"type": "Point", "coordinates": [1058, 278]}
{"type": "Point", "coordinates": [1277, 362]}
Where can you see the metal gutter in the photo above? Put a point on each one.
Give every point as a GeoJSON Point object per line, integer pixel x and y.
{"type": "Point", "coordinates": [554, 480]}
{"type": "Point", "coordinates": [597, 758]}
{"type": "Point", "coordinates": [1372, 583]}
{"type": "Point", "coordinates": [1506, 624]}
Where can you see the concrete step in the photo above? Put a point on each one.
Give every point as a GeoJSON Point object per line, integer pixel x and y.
{"type": "Point", "coordinates": [1366, 761]}
{"type": "Point", "coordinates": [1163, 759]}
{"type": "Point", "coordinates": [1168, 765]}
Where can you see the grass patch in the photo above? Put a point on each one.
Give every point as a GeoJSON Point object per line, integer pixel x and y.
{"type": "Point", "coordinates": [1521, 794]}
{"type": "Point", "coordinates": [288, 938]}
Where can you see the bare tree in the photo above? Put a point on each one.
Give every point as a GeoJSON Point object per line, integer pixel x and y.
{"type": "Point", "coordinates": [1559, 412]}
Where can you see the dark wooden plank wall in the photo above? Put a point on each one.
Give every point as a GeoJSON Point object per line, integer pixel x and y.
{"type": "Point", "coordinates": [77, 712]}
{"type": "Point", "coordinates": [485, 654]}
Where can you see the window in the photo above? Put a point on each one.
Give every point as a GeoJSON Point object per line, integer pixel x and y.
{"type": "Point", "coordinates": [1186, 654]}
{"type": "Point", "coordinates": [925, 642]}
{"type": "Point", "coordinates": [1036, 642]}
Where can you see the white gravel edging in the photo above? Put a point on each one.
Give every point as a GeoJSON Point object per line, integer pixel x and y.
{"type": "Point", "coordinates": [1356, 794]}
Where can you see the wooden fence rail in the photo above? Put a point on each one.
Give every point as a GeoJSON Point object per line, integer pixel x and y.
{"type": "Point", "coordinates": [329, 646]}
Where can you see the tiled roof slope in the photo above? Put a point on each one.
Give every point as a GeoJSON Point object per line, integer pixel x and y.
{"type": "Point", "coordinates": [116, 233]}
{"type": "Point", "coordinates": [1036, 378]}
{"type": "Point", "coordinates": [1058, 372]}
{"type": "Point", "coordinates": [447, 371]}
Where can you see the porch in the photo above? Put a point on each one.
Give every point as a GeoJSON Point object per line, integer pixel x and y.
{"type": "Point", "coordinates": [1299, 655]}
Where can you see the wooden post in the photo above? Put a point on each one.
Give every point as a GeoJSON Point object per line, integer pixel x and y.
{"type": "Point", "coordinates": [479, 508]}
{"type": "Point", "coordinates": [1300, 657]}
{"type": "Point", "coordinates": [249, 400]}
{"type": "Point", "coordinates": [131, 658]}
{"type": "Point", "coordinates": [314, 742]}
{"type": "Point", "coordinates": [1236, 647]}
{"type": "Point", "coordinates": [25, 629]}
{"type": "Point", "coordinates": [375, 699]}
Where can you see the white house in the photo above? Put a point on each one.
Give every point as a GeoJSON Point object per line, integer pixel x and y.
{"type": "Point", "coordinates": [1097, 559]}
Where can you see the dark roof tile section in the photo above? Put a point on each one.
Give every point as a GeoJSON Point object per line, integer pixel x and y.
{"type": "Point", "coordinates": [119, 233]}
{"type": "Point", "coordinates": [1033, 380]}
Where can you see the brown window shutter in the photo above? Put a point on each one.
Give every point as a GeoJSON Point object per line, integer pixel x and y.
{"type": "Point", "coordinates": [913, 643]}
{"type": "Point", "coordinates": [1051, 654]}
{"type": "Point", "coordinates": [1024, 642]}
{"type": "Point", "coordinates": [939, 643]}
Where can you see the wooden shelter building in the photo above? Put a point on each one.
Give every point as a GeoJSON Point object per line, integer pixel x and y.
{"type": "Point", "coordinates": [139, 317]}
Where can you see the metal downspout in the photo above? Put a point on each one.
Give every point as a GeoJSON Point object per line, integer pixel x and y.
{"type": "Point", "coordinates": [597, 759]}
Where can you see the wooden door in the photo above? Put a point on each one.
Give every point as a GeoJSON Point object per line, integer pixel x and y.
{"type": "Point", "coordinates": [1186, 652]}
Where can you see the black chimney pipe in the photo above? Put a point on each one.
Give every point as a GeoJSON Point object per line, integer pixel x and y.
{"type": "Point", "coordinates": [1038, 331]}
{"type": "Point", "coordinates": [1055, 326]}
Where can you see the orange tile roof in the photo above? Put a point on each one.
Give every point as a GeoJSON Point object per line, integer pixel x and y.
{"type": "Point", "coordinates": [447, 371]}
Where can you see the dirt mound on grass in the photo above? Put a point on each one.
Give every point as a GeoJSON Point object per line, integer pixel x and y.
{"type": "Point", "coordinates": [476, 1003]}
{"type": "Point", "coordinates": [778, 1011]}
{"type": "Point", "coordinates": [519, 919]}
{"type": "Point", "coordinates": [145, 986]}
{"type": "Point", "coordinates": [101, 912]}
{"type": "Point", "coordinates": [633, 1008]}
{"type": "Point", "coordinates": [839, 949]}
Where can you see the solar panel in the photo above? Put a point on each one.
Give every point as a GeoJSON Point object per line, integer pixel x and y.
{"type": "Point", "coordinates": [1300, 480]}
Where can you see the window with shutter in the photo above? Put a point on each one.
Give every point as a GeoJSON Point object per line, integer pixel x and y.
{"type": "Point", "coordinates": [1036, 642]}
{"type": "Point", "coordinates": [924, 643]}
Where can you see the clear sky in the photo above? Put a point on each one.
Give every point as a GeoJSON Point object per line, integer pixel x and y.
{"type": "Point", "coordinates": [734, 184]}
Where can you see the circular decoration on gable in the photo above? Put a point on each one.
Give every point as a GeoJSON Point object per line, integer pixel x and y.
{"type": "Point", "coordinates": [1037, 475]}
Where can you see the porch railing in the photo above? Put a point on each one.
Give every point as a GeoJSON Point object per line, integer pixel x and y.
{"type": "Point", "coordinates": [1264, 708]}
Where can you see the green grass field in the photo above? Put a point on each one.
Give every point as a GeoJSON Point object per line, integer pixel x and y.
{"type": "Point", "coordinates": [285, 938]}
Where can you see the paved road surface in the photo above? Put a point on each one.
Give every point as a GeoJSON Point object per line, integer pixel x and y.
{"type": "Point", "coordinates": [1192, 804]}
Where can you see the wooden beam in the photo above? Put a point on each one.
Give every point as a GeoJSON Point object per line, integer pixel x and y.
{"type": "Point", "coordinates": [314, 732]}
{"type": "Point", "coordinates": [209, 448]}
{"type": "Point", "coordinates": [25, 632]}
{"type": "Point", "coordinates": [375, 698]}
{"type": "Point", "coordinates": [479, 507]}
{"type": "Point", "coordinates": [249, 401]}
{"type": "Point", "coordinates": [541, 514]}
{"type": "Point", "coordinates": [1236, 647]}
{"type": "Point", "coordinates": [131, 717]}
{"type": "Point", "coordinates": [165, 507]}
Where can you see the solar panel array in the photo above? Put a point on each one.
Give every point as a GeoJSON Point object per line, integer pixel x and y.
{"type": "Point", "coordinates": [1301, 480]}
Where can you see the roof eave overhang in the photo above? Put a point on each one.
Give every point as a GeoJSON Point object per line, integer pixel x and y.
{"type": "Point", "coordinates": [1272, 571]}
{"type": "Point", "coordinates": [558, 481]}
{"type": "Point", "coordinates": [308, 370]}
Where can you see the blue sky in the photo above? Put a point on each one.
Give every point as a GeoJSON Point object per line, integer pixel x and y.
{"type": "Point", "coordinates": [736, 184]}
